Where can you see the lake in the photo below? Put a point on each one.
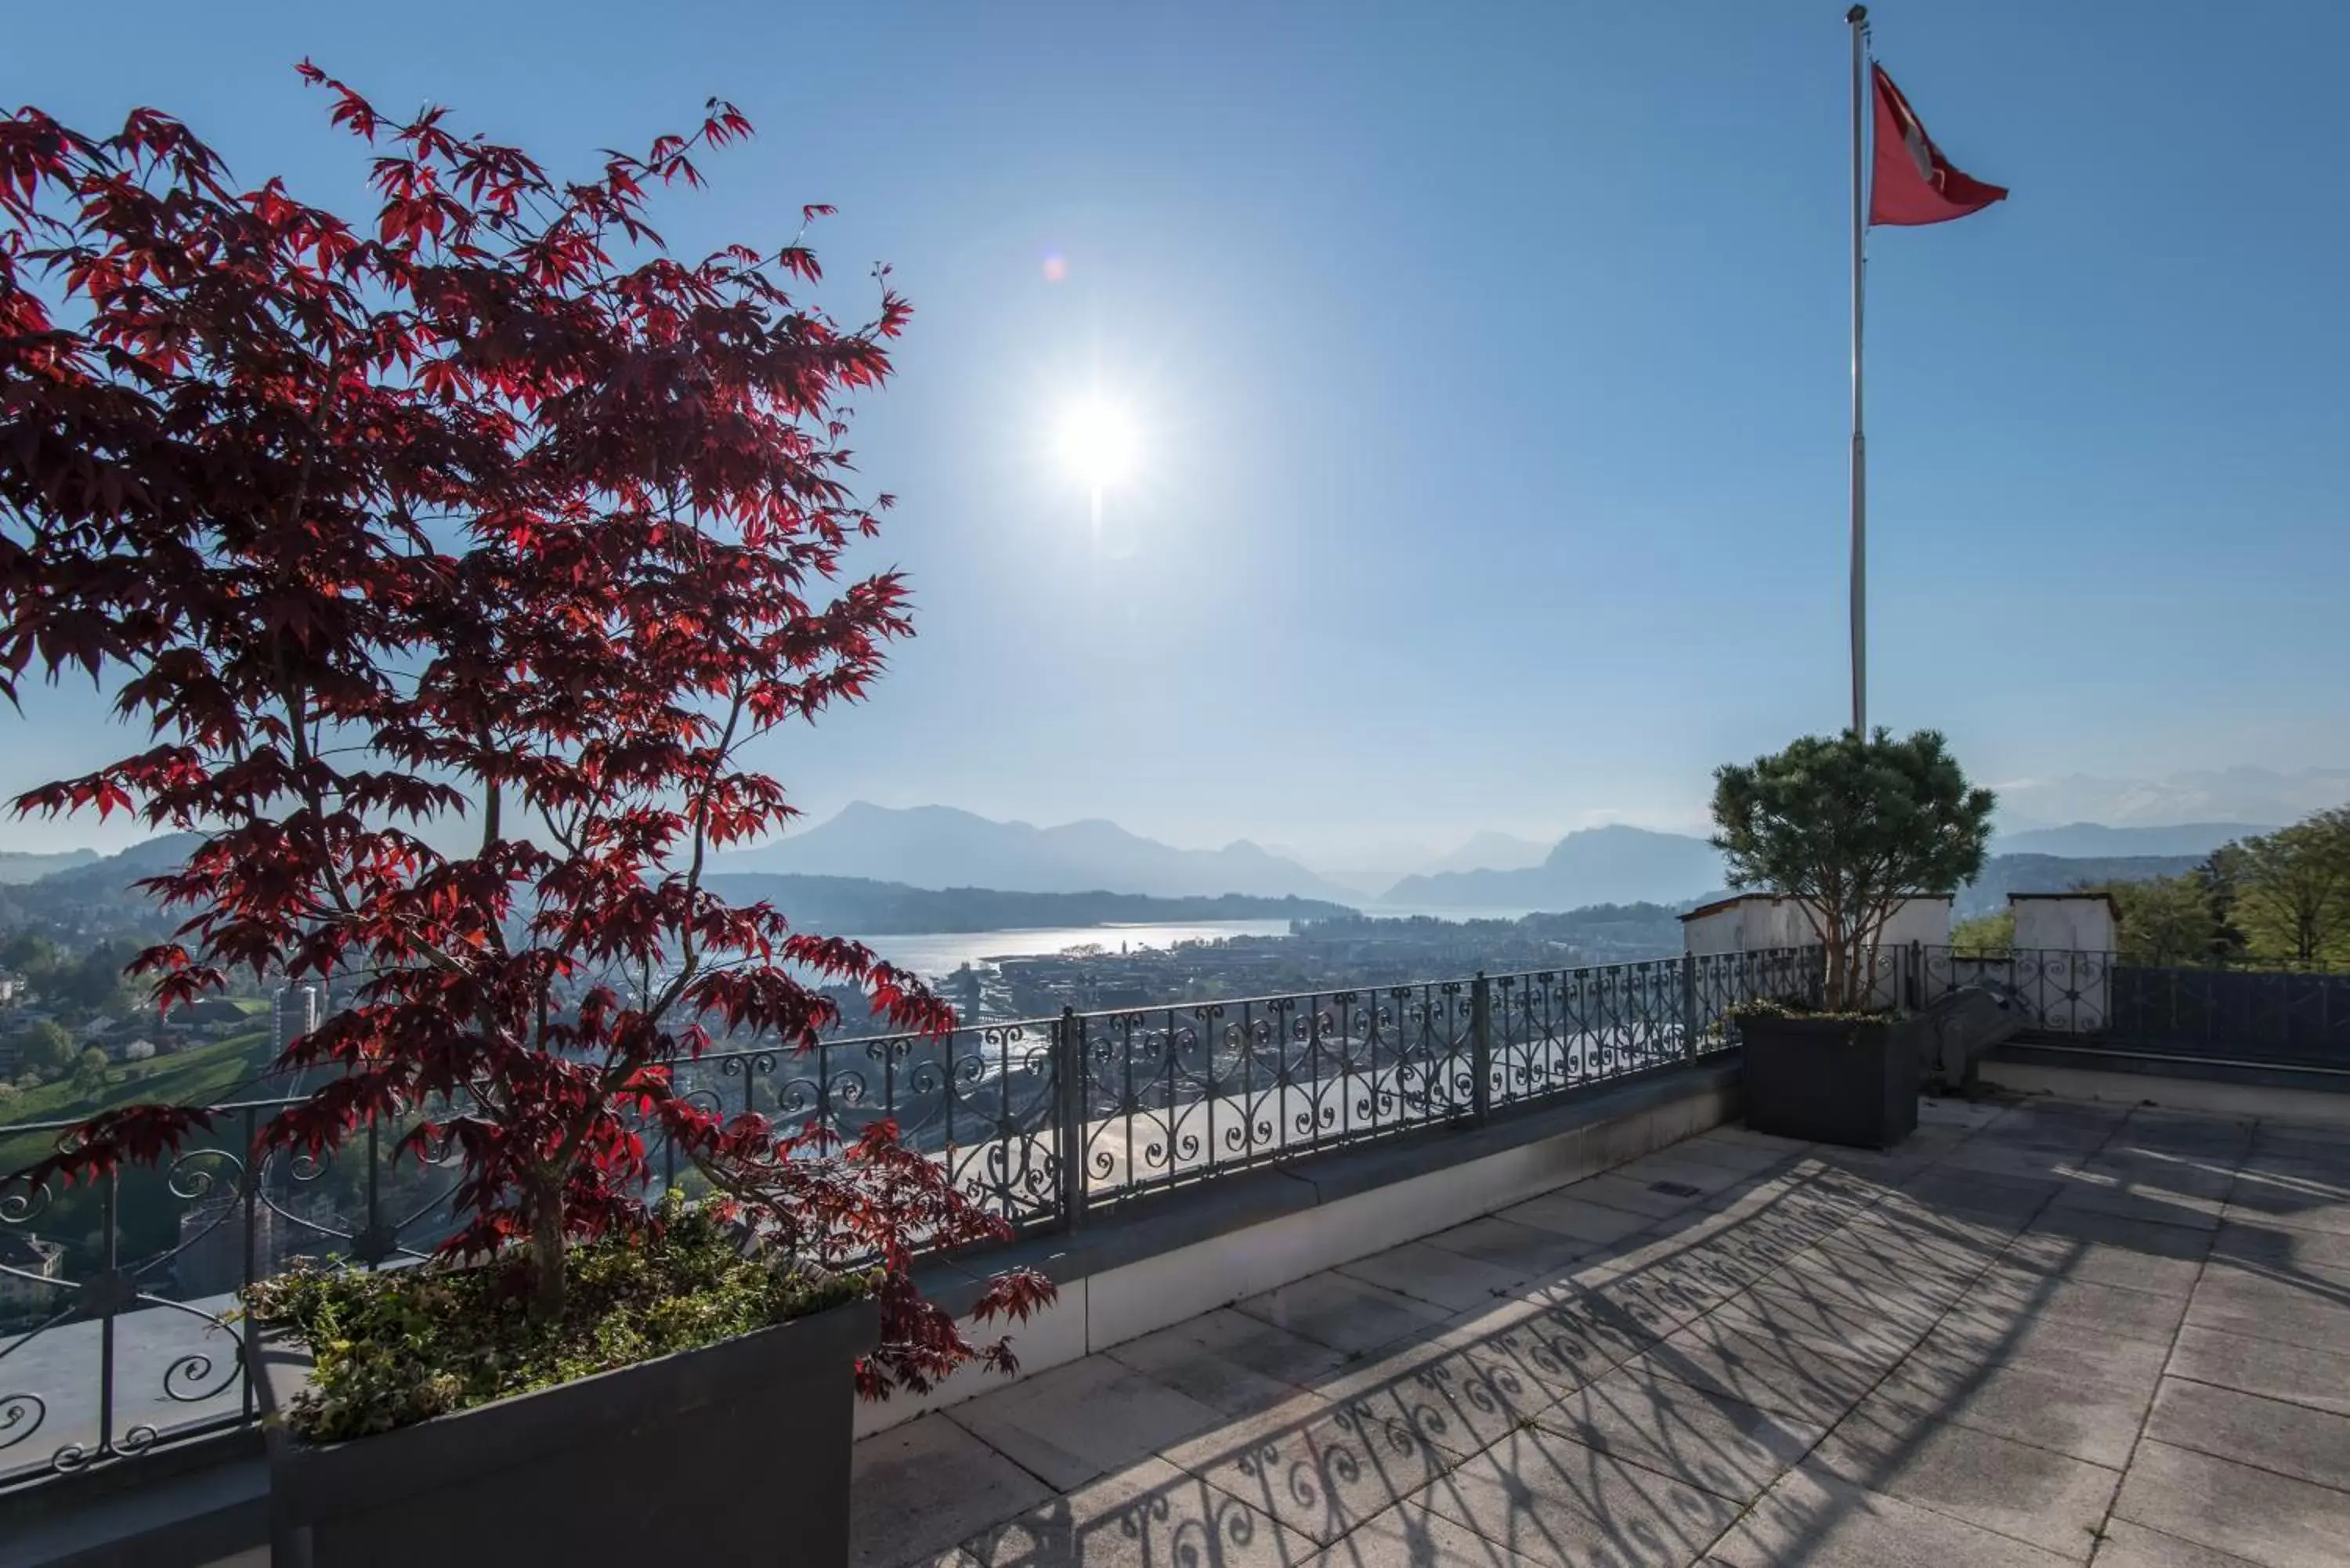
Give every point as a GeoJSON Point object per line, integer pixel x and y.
{"type": "Point", "coordinates": [943, 952]}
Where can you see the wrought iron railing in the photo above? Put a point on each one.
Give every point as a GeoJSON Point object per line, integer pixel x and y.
{"type": "Point", "coordinates": [118, 1333]}
{"type": "Point", "coordinates": [2281, 1016]}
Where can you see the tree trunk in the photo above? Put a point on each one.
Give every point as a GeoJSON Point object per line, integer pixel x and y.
{"type": "Point", "coordinates": [549, 1266]}
{"type": "Point", "coordinates": [1838, 997]}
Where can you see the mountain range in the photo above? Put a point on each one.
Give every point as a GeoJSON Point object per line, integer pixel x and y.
{"type": "Point", "coordinates": [939, 846]}
{"type": "Point", "coordinates": [2096, 838]}
{"type": "Point", "coordinates": [19, 865]}
{"type": "Point", "coordinates": [2237, 796]}
{"type": "Point", "coordinates": [1611, 865]}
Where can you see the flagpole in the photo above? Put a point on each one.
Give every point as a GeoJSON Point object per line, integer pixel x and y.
{"type": "Point", "coordinates": [1857, 20]}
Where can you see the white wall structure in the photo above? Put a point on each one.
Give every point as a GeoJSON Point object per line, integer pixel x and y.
{"type": "Point", "coordinates": [2062, 968]}
{"type": "Point", "coordinates": [1745, 922]}
{"type": "Point", "coordinates": [2077, 922]}
{"type": "Point", "coordinates": [1749, 922]}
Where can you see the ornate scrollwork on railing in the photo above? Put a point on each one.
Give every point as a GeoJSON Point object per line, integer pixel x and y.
{"type": "Point", "coordinates": [22, 1203]}
{"type": "Point", "coordinates": [21, 1415]}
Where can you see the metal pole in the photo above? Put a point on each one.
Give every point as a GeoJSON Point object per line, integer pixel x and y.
{"type": "Point", "coordinates": [1069, 1117]}
{"type": "Point", "coordinates": [1857, 18]}
{"type": "Point", "coordinates": [1481, 1048]}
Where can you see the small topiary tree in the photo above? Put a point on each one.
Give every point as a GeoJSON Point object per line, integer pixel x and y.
{"type": "Point", "coordinates": [1849, 827]}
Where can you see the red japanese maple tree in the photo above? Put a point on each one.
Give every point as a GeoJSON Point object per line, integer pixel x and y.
{"type": "Point", "coordinates": [452, 561]}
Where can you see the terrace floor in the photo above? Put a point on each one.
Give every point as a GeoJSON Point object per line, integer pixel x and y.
{"type": "Point", "coordinates": [2040, 1331]}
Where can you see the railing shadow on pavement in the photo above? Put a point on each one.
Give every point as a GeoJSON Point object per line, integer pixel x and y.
{"type": "Point", "coordinates": [1879, 1297]}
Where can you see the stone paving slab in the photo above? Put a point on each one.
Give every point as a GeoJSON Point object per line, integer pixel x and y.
{"type": "Point", "coordinates": [1571, 1212]}
{"type": "Point", "coordinates": [2305, 1307]}
{"type": "Point", "coordinates": [1074, 1423]}
{"type": "Point", "coordinates": [1814, 1519]}
{"type": "Point", "coordinates": [1319, 1468]}
{"type": "Point", "coordinates": [2319, 1379]}
{"type": "Point", "coordinates": [2105, 1249]}
{"type": "Point", "coordinates": [1143, 1517]}
{"type": "Point", "coordinates": [2088, 1414]}
{"type": "Point", "coordinates": [2036, 1334]}
{"type": "Point", "coordinates": [2273, 1520]}
{"type": "Point", "coordinates": [1715, 1443]}
{"type": "Point", "coordinates": [1436, 1275]}
{"type": "Point", "coordinates": [920, 1489]}
{"type": "Point", "coordinates": [1411, 1535]}
{"type": "Point", "coordinates": [1551, 1499]}
{"type": "Point", "coordinates": [1346, 1314]}
{"type": "Point", "coordinates": [1560, 1344]}
{"type": "Point", "coordinates": [2050, 1500]}
{"type": "Point", "coordinates": [2286, 1248]}
{"type": "Point", "coordinates": [1511, 1245]}
{"type": "Point", "coordinates": [2291, 1439]}
{"type": "Point", "coordinates": [1457, 1402]}
{"type": "Point", "coordinates": [2127, 1546]}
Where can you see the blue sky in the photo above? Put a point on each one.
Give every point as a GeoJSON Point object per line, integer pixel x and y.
{"type": "Point", "coordinates": [1490, 367]}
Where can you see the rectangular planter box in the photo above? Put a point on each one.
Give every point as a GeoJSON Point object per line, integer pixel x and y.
{"type": "Point", "coordinates": [735, 1452]}
{"type": "Point", "coordinates": [1832, 1080]}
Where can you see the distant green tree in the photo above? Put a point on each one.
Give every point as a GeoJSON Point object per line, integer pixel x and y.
{"type": "Point", "coordinates": [96, 982]}
{"type": "Point", "coordinates": [1849, 828]}
{"type": "Point", "coordinates": [2293, 890]}
{"type": "Point", "coordinates": [91, 1077]}
{"type": "Point", "coordinates": [2166, 922]}
{"type": "Point", "coordinates": [43, 1051]}
{"type": "Point", "coordinates": [1984, 935]}
{"type": "Point", "coordinates": [29, 953]}
{"type": "Point", "coordinates": [2221, 878]}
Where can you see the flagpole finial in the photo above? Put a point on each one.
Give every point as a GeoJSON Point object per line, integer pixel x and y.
{"type": "Point", "coordinates": [1857, 16]}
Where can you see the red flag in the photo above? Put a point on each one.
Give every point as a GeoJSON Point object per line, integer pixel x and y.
{"type": "Point", "coordinates": [1914, 184]}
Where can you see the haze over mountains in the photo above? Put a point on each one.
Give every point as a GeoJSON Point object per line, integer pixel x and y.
{"type": "Point", "coordinates": [2096, 838]}
{"type": "Point", "coordinates": [939, 846]}
{"type": "Point", "coordinates": [1612, 865]}
{"type": "Point", "coordinates": [2237, 797]}
{"type": "Point", "coordinates": [873, 864]}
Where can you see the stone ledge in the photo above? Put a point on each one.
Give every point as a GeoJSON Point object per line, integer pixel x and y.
{"type": "Point", "coordinates": [206, 1500]}
{"type": "Point", "coordinates": [2283, 1093]}
{"type": "Point", "coordinates": [1151, 1262]}
{"type": "Point", "coordinates": [2269, 1074]}
{"type": "Point", "coordinates": [1140, 1229]}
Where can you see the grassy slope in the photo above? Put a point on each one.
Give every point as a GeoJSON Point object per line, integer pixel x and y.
{"type": "Point", "coordinates": [203, 1076]}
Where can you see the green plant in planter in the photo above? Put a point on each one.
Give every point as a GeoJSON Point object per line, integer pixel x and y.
{"type": "Point", "coordinates": [1849, 827]}
{"type": "Point", "coordinates": [396, 1347]}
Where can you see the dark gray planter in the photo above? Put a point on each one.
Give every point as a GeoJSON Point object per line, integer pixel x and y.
{"type": "Point", "coordinates": [734, 1452]}
{"type": "Point", "coordinates": [1832, 1080]}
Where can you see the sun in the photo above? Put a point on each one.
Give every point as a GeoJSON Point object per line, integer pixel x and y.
{"type": "Point", "coordinates": [1097, 442]}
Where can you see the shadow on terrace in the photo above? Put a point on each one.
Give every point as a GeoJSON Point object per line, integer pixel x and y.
{"type": "Point", "coordinates": [2039, 1331]}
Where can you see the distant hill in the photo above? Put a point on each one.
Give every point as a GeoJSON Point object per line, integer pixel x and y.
{"type": "Point", "coordinates": [2005, 874]}
{"type": "Point", "coordinates": [94, 897]}
{"type": "Point", "coordinates": [1490, 852]}
{"type": "Point", "coordinates": [2228, 795]}
{"type": "Point", "coordinates": [1614, 865]}
{"type": "Point", "coordinates": [2092, 838]}
{"type": "Point", "coordinates": [855, 905]}
{"type": "Point", "coordinates": [19, 865]}
{"type": "Point", "coordinates": [937, 847]}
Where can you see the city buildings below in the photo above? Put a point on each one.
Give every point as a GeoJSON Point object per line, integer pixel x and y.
{"type": "Point", "coordinates": [27, 1264]}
